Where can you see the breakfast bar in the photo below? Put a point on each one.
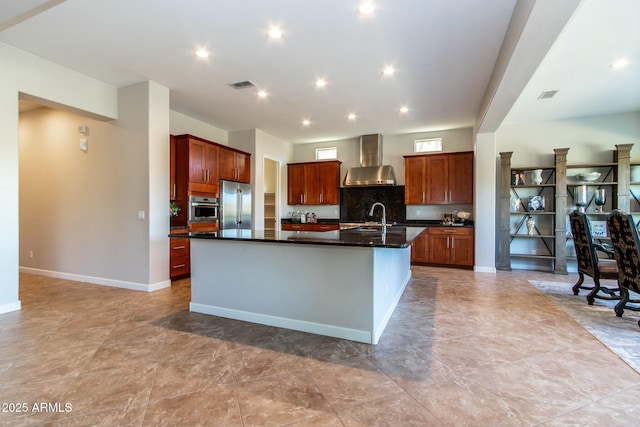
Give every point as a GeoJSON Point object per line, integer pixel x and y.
{"type": "Point", "coordinates": [342, 283]}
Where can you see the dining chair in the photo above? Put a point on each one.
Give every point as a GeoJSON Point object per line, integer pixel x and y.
{"type": "Point", "coordinates": [626, 247]}
{"type": "Point", "coordinates": [589, 263]}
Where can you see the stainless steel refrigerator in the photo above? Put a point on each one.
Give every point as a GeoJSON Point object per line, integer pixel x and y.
{"type": "Point", "coordinates": [235, 205]}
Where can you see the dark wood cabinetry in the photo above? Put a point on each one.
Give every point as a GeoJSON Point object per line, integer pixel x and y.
{"type": "Point", "coordinates": [420, 248]}
{"type": "Point", "coordinates": [451, 246]}
{"type": "Point", "coordinates": [439, 179]}
{"type": "Point", "coordinates": [203, 168]}
{"type": "Point", "coordinates": [310, 227]}
{"type": "Point", "coordinates": [314, 183]}
{"type": "Point", "coordinates": [172, 168]}
{"type": "Point", "coordinates": [234, 165]}
{"type": "Point", "coordinates": [179, 257]}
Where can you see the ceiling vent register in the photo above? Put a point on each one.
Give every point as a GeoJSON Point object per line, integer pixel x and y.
{"type": "Point", "coordinates": [242, 85]}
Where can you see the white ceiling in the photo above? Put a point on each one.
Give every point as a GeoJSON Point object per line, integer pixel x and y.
{"type": "Point", "coordinates": [444, 53]}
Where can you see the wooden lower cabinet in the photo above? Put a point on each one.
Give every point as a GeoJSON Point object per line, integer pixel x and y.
{"type": "Point", "coordinates": [444, 246]}
{"type": "Point", "coordinates": [310, 227]}
{"type": "Point", "coordinates": [179, 257]}
{"type": "Point", "coordinates": [420, 248]}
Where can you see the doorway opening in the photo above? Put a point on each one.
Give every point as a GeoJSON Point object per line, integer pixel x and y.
{"type": "Point", "coordinates": [271, 205]}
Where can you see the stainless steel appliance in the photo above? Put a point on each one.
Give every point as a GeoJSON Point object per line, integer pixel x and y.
{"type": "Point", "coordinates": [203, 209]}
{"type": "Point", "coordinates": [235, 205]}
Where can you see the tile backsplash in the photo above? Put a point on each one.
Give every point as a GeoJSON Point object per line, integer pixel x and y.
{"type": "Point", "coordinates": [355, 203]}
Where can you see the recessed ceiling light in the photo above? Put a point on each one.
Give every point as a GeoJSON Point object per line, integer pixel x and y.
{"type": "Point", "coordinates": [262, 93]}
{"type": "Point", "coordinates": [352, 116]}
{"type": "Point", "coordinates": [321, 83]}
{"type": "Point", "coordinates": [275, 33]}
{"type": "Point", "coordinates": [202, 53]}
{"type": "Point", "coordinates": [404, 109]}
{"type": "Point", "coordinates": [366, 8]}
{"type": "Point", "coordinates": [306, 122]}
{"type": "Point", "coordinates": [388, 70]}
{"type": "Point", "coordinates": [620, 63]}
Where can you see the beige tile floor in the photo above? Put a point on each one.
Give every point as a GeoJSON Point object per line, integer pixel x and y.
{"type": "Point", "coordinates": [462, 349]}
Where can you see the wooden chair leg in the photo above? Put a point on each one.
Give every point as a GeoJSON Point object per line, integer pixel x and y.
{"type": "Point", "coordinates": [592, 295]}
{"type": "Point", "coordinates": [576, 287]}
{"type": "Point", "coordinates": [624, 298]}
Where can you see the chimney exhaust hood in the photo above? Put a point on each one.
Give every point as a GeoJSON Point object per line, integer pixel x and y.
{"type": "Point", "coordinates": [371, 171]}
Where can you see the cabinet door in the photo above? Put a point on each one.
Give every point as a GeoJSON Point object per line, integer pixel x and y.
{"type": "Point", "coordinates": [439, 248]}
{"type": "Point", "coordinates": [330, 178]}
{"type": "Point", "coordinates": [295, 184]}
{"type": "Point", "coordinates": [461, 178]}
{"type": "Point", "coordinates": [243, 167]}
{"type": "Point", "coordinates": [414, 191]}
{"type": "Point", "coordinates": [227, 164]}
{"type": "Point", "coordinates": [420, 248]}
{"type": "Point", "coordinates": [312, 184]}
{"type": "Point", "coordinates": [197, 161]}
{"type": "Point", "coordinates": [462, 250]}
{"type": "Point", "coordinates": [437, 171]}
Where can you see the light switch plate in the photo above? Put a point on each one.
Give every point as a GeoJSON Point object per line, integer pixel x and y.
{"type": "Point", "coordinates": [84, 144]}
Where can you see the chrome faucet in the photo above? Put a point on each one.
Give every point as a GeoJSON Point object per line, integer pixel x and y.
{"type": "Point", "coordinates": [384, 215]}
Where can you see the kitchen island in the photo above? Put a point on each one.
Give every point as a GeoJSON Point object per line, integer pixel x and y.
{"type": "Point", "coordinates": [343, 284]}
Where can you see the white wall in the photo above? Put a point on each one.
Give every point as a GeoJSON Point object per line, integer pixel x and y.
{"type": "Point", "coordinates": [181, 124]}
{"type": "Point", "coordinates": [79, 210]}
{"type": "Point", "coordinates": [263, 145]}
{"type": "Point", "coordinates": [590, 139]}
{"type": "Point", "coordinates": [24, 73]}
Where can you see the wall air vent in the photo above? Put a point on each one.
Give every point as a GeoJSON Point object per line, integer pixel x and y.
{"type": "Point", "coordinates": [242, 85]}
{"type": "Point", "coordinates": [548, 94]}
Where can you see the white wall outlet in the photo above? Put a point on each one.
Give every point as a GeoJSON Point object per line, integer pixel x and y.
{"type": "Point", "coordinates": [84, 144]}
{"type": "Point", "coordinates": [140, 214]}
{"type": "Point", "coordinates": [418, 212]}
{"type": "Point", "coordinates": [31, 254]}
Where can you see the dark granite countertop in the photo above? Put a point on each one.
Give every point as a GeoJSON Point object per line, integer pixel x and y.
{"type": "Point", "coordinates": [395, 237]}
{"type": "Point", "coordinates": [405, 223]}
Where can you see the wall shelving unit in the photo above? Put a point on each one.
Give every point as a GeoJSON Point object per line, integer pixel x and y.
{"type": "Point", "coordinates": [550, 243]}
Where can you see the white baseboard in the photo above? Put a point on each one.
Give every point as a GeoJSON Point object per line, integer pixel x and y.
{"type": "Point", "coordinates": [12, 306]}
{"type": "Point", "coordinates": [484, 269]}
{"type": "Point", "coordinates": [282, 322]}
{"type": "Point", "coordinates": [98, 280]}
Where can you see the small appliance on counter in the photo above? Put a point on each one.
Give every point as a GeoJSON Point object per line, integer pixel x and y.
{"type": "Point", "coordinates": [235, 205]}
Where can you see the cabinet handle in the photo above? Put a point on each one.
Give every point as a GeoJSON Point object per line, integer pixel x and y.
{"type": "Point", "coordinates": [174, 191]}
{"type": "Point", "coordinates": [301, 201]}
{"type": "Point", "coordinates": [179, 247]}
{"type": "Point", "coordinates": [320, 198]}
{"type": "Point", "coordinates": [449, 195]}
{"type": "Point", "coordinates": [179, 266]}
{"type": "Point", "coordinates": [447, 242]}
{"type": "Point", "coordinates": [423, 197]}
{"type": "Point", "coordinates": [448, 230]}
{"type": "Point", "coordinates": [453, 242]}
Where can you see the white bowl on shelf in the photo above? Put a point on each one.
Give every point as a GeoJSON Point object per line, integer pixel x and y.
{"type": "Point", "coordinates": [588, 176]}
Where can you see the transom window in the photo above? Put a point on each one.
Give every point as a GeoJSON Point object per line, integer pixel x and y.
{"type": "Point", "coordinates": [427, 145]}
{"type": "Point", "coordinates": [326, 153]}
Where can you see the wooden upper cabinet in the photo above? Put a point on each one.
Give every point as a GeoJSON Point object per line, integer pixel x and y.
{"type": "Point", "coordinates": [439, 179]}
{"type": "Point", "coordinates": [330, 183]}
{"type": "Point", "coordinates": [314, 183]}
{"type": "Point", "coordinates": [196, 162]}
{"type": "Point", "coordinates": [234, 165]}
{"type": "Point", "coordinates": [461, 178]}
{"type": "Point", "coordinates": [415, 180]}
{"type": "Point", "coordinates": [172, 168]}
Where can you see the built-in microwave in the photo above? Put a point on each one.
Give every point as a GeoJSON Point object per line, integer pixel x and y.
{"type": "Point", "coordinates": [203, 209]}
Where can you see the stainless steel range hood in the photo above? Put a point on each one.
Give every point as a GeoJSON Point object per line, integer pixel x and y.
{"type": "Point", "coordinates": [371, 171]}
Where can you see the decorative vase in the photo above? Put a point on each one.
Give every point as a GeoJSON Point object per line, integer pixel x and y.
{"type": "Point", "coordinates": [515, 204]}
{"type": "Point", "coordinates": [581, 193]}
{"type": "Point", "coordinates": [530, 225]}
{"type": "Point", "coordinates": [536, 176]}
